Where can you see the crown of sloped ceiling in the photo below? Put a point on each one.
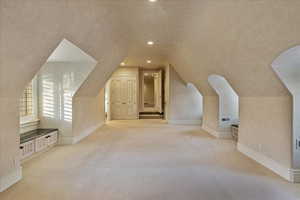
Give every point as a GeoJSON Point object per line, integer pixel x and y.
{"type": "Point", "coordinates": [237, 39]}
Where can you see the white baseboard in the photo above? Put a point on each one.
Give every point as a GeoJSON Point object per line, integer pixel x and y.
{"type": "Point", "coordinates": [67, 140]}
{"type": "Point", "coordinates": [292, 175]}
{"type": "Point", "coordinates": [86, 133]}
{"type": "Point", "coordinates": [222, 134]}
{"type": "Point", "coordinates": [185, 122]}
{"type": "Point", "coordinates": [210, 131]}
{"type": "Point", "coordinates": [8, 180]}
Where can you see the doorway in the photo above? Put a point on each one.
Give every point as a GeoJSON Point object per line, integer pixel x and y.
{"type": "Point", "coordinates": [151, 89]}
{"type": "Point", "coordinates": [135, 93]}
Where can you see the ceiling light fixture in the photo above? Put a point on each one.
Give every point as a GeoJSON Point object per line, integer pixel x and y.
{"type": "Point", "coordinates": [150, 43]}
{"type": "Point", "coordinates": [122, 64]}
{"type": "Point", "coordinates": [149, 61]}
{"type": "Point", "coordinates": [152, 0]}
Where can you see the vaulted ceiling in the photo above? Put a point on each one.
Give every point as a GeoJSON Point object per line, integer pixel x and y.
{"type": "Point", "coordinates": [237, 39]}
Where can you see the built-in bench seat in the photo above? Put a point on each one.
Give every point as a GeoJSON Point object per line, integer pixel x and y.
{"type": "Point", "coordinates": [37, 141]}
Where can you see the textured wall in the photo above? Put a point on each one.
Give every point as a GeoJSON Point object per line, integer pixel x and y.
{"type": "Point", "coordinates": [239, 40]}
{"type": "Point", "coordinates": [30, 31]}
{"type": "Point", "coordinates": [235, 39]}
{"type": "Point", "coordinates": [266, 126]}
{"type": "Point", "coordinates": [88, 113]}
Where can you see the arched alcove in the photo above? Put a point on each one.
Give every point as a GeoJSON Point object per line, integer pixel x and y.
{"type": "Point", "coordinates": [228, 103]}
{"type": "Point", "coordinates": [287, 67]}
{"type": "Point", "coordinates": [58, 81]}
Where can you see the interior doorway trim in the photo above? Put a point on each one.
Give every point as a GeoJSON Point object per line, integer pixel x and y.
{"type": "Point", "coordinates": [157, 90]}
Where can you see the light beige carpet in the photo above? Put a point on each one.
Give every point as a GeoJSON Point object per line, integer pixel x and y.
{"type": "Point", "coordinates": [148, 160]}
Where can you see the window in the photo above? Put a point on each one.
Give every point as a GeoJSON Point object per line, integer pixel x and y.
{"type": "Point", "coordinates": [29, 103]}
{"type": "Point", "coordinates": [26, 102]}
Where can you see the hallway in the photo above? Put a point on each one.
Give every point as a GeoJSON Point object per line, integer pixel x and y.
{"type": "Point", "coordinates": [148, 159]}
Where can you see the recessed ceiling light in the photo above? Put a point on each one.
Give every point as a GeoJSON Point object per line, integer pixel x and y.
{"type": "Point", "coordinates": [152, 0]}
{"type": "Point", "coordinates": [150, 43]}
{"type": "Point", "coordinates": [122, 63]}
{"type": "Point", "coordinates": [149, 61]}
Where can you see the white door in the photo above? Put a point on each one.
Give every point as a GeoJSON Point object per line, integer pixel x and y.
{"type": "Point", "coordinates": [123, 98]}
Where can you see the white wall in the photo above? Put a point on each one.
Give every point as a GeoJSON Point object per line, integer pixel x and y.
{"type": "Point", "coordinates": [57, 84]}
{"type": "Point", "coordinates": [185, 101]}
{"type": "Point", "coordinates": [228, 101]}
{"type": "Point", "coordinates": [211, 115]}
{"type": "Point", "coordinates": [287, 68]}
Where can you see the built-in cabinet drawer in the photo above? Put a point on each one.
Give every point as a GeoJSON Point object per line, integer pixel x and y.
{"type": "Point", "coordinates": [52, 138]}
{"type": "Point", "coordinates": [27, 149]}
{"type": "Point", "coordinates": [41, 143]}
{"type": "Point", "coordinates": [38, 144]}
{"type": "Point", "coordinates": [47, 140]}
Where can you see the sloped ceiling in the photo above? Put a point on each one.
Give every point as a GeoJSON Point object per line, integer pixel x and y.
{"type": "Point", "coordinates": [237, 39]}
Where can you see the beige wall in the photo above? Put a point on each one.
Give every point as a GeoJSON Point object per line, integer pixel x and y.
{"type": "Point", "coordinates": [266, 127]}
{"type": "Point", "coordinates": [88, 113]}
{"type": "Point", "coordinates": [30, 31]}
{"type": "Point", "coordinates": [9, 136]}
{"type": "Point", "coordinates": [240, 44]}
{"type": "Point", "coordinates": [185, 102]}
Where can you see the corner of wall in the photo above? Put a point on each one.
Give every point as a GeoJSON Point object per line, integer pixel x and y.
{"type": "Point", "coordinates": [218, 133]}
{"type": "Point", "coordinates": [86, 133]}
{"type": "Point", "coordinates": [10, 179]}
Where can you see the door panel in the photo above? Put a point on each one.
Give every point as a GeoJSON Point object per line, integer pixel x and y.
{"type": "Point", "coordinates": [123, 98]}
{"type": "Point", "coordinates": [131, 108]}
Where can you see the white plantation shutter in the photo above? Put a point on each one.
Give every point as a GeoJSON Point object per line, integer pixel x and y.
{"type": "Point", "coordinates": [26, 102]}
